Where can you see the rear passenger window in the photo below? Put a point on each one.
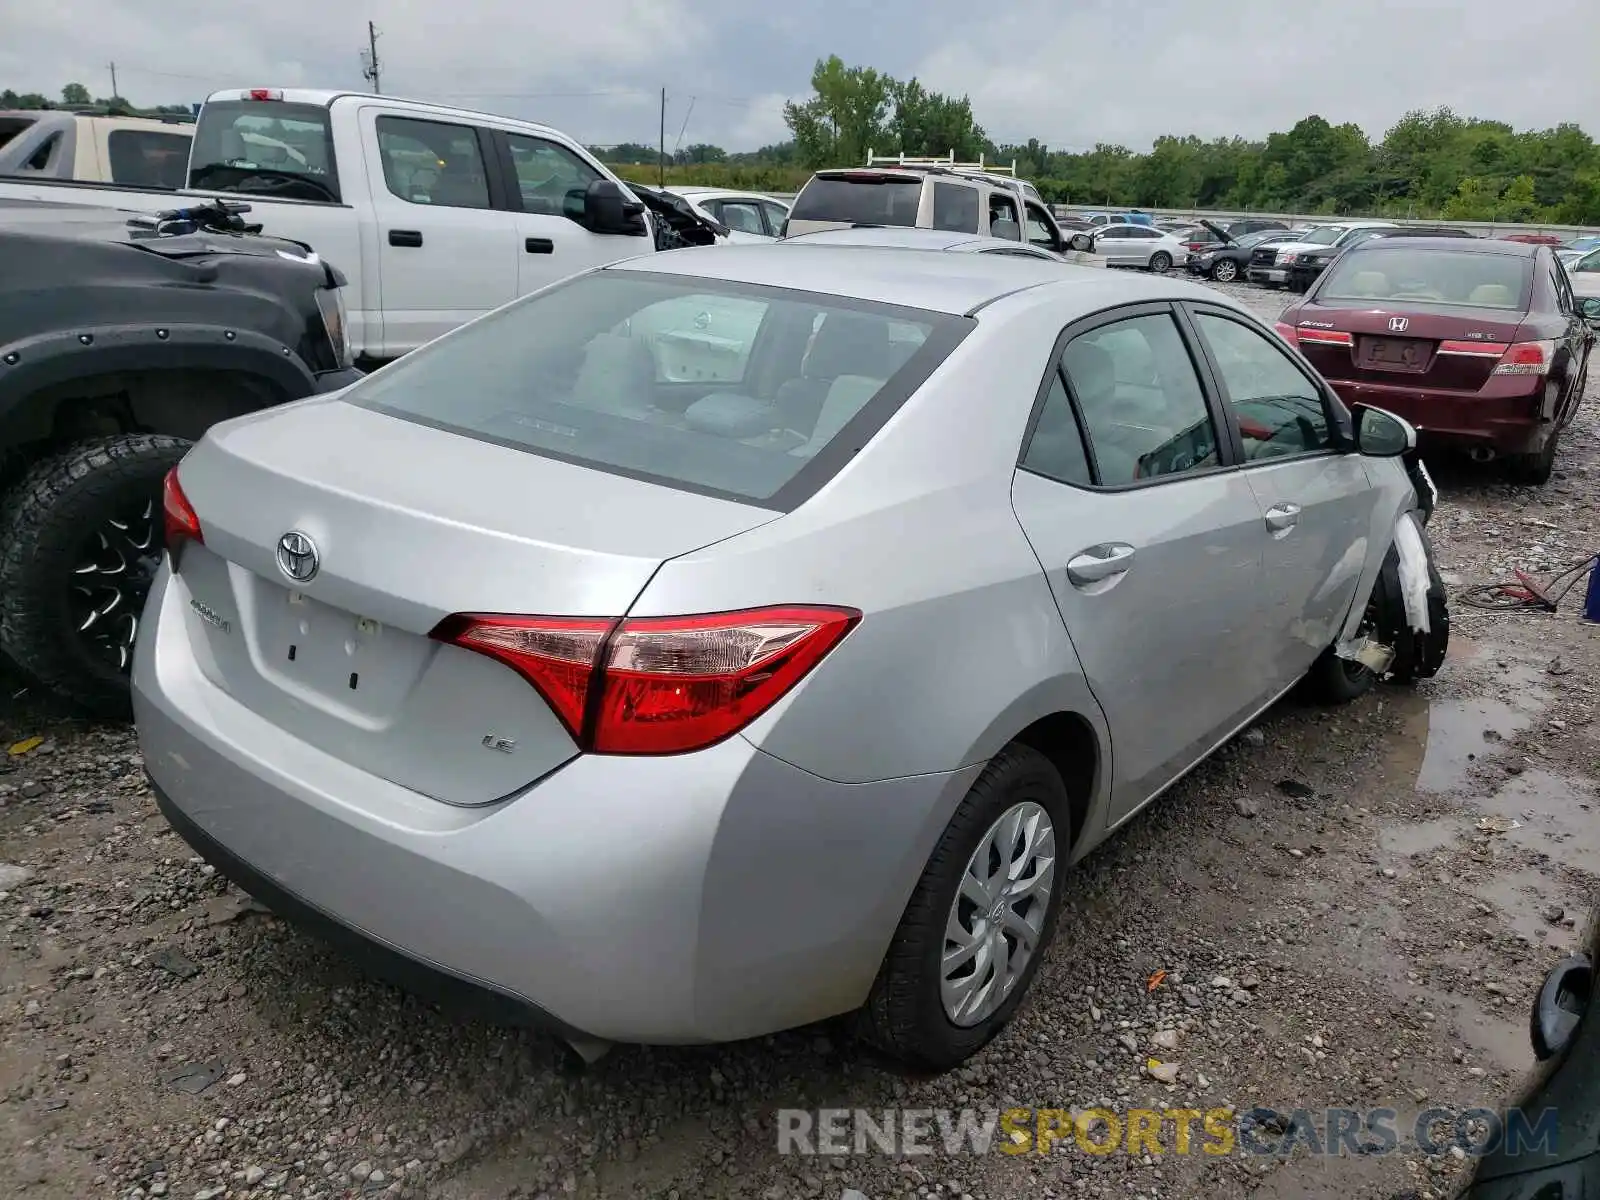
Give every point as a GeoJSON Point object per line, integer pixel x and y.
{"type": "Point", "coordinates": [1056, 448]}
{"type": "Point", "coordinates": [955, 208]}
{"type": "Point", "coordinates": [431, 162]}
{"type": "Point", "coordinates": [1278, 409]}
{"type": "Point", "coordinates": [1141, 401]}
{"type": "Point", "coordinates": [1003, 221]}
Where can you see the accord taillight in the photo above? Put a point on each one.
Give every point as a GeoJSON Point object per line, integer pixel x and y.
{"type": "Point", "coordinates": [1527, 358]}
{"type": "Point", "coordinates": [657, 685]}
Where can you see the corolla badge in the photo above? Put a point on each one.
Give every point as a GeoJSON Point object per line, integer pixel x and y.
{"type": "Point", "coordinates": [297, 556]}
{"type": "Point", "coordinates": [1398, 324]}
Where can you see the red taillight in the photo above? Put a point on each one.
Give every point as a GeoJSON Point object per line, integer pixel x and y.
{"type": "Point", "coordinates": [1195, 247]}
{"type": "Point", "coordinates": [263, 94]}
{"type": "Point", "coordinates": [1527, 358]}
{"type": "Point", "coordinates": [178, 515]}
{"type": "Point", "coordinates": [1286, 332]}
{"type": "Point", "coordinates": [657, 685]}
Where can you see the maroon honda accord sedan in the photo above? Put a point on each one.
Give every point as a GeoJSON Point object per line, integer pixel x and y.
{"type": "Point", "coordinates": [1475, 342]}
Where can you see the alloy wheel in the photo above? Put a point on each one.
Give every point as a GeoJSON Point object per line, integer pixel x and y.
{"type": "Point", "coordinates": [106, 593]}
{"type": "Point", "coordinates": [1226, 271]}
{"type": "Point", "coordinates": [996, 921]}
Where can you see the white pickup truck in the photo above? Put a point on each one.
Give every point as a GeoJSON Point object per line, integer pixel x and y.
{"type": "Point", "coordinates": [435, 215]}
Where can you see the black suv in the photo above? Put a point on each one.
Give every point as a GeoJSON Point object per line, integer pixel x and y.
{"type": "Point", "coordinates": [122, 339]}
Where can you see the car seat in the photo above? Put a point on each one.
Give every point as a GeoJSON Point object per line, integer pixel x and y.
{"type": "Point", "coordinates": [846, 345]}
{"type": "Point", "coordinates": [1093, 373]}
{"type": "Point", "coordinates": [1372, 284]}
{"type": "Point", "coordinates": [618, 376]}
{"type": "Point", "coordinates": [1492, 295]}
{"type": "Point", "coordinates": [1007, 229]}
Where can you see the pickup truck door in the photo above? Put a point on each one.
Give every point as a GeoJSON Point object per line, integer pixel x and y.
{"type": "Point", "coordinates": [547, 180]}
{"type": "Point", "coordinates": [446, 240]}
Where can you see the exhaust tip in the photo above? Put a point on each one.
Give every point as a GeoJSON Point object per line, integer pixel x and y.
{"type": "Point", "coordinates": [1482, 454]}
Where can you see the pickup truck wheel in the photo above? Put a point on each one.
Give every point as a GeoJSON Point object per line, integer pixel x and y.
{"type": "Point", "coordinates": [1224, 270]}
{"type": "Point", "coordinates": [81, 544]}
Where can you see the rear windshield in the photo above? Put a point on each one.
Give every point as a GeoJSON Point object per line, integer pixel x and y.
{"type": "Point", "coordinates": [264, 148]}
{"type": "Point", "coordinates": [148, 157]}
{"type": "Point", "coordinates": [1326, 236]}
{"type": "Point", "coordinates": [1392, 271]}
{"type": "Point", "coordinates": [859, 200]}
{"type": "Point", "coordinates": [750, 393]}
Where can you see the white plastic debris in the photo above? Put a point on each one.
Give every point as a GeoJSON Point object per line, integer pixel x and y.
{"type": "Point", "coordinates": [1413, 572]}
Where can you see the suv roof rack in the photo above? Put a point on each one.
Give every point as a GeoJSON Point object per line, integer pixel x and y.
{"type": "Point", "coordinates": [947, 163]}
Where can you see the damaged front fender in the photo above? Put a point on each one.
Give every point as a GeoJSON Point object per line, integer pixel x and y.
{"type": "Point", "coordinates": [1408, 618]}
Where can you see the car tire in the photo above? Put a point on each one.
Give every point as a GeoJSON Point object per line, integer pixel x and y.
{"type": "Point", "coordinates": [906, 1014]}
{"type": "Point", "coordinates": [1225, 270]}
{"type": "Point", "coordinates": [1160, 262]}
{"type": "Point", "coordinates": [1534, 470]}
{"type": "Point", "coordinates": [97, 503]}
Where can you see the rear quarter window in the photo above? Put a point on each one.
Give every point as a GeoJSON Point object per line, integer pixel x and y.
{"type": "Point", "coordinates": [750, 393]}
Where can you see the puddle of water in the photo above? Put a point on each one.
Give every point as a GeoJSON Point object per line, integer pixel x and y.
{"type": "Point", "coordinates": [1440, 737]}
{"type": "Point", "coordinates": [1560, 817]}
{"type": "Point", "coordinates": [1422, 837]}
{"type": "Point", "coordinates": [1522, 896]}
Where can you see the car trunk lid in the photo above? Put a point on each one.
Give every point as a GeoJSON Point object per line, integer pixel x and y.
{"type": "Point", "coordinates": [1425, 346]}
{"type": "Point", "coordinates": [421, 525]}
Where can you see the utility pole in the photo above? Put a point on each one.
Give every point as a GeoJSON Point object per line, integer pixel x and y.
{"type": "Point", "coordinates": [369, 65]}
{"type": "Point", "coordinates": [661, 146]}
{"type": "Point", "coordinates": [114, 92]}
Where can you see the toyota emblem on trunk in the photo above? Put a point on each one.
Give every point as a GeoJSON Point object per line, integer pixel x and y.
{"type": "Point", "coordinates": [297, 556]}
{"type": "Point", "coordinates": [1397, 324]}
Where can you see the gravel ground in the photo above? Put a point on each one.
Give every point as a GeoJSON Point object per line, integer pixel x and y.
{"type": "Point", "coordinates": [1334, 927]}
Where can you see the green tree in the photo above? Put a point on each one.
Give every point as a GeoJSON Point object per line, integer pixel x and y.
{"type": "Point", "coordinates": [75, 93]}
{"type": "Point", "coordinates": [845, 117]}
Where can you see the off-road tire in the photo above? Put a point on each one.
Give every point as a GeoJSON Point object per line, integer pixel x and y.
{"type": "Point", "coordinates": [904, 1015]}
{"type": "Point", "coordinates": [48, 516]}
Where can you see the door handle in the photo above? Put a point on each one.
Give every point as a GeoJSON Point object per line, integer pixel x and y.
{"type": "Point", "coordinates": [1283, 517]}
{"type": "Point", "coordinates": [1099, 563]}
{"type": "Point", "coordinates": [539, 246]}
{"type": "Point", "coordinates": [405, 237]}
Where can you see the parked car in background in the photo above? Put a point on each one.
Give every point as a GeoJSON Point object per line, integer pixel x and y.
{"type": "Point", "coordinates": [1584, 275]}
{"type": "Point", "coordinates": [1138, 246]}
{"type": "Point", "coordinates": [1305, 265]}
{"type": "Point", "coordinates": [146, 152]}
{"type": "Point", "coordinates": [1269, 265]}
{"type": "Point", "coordinates": [345, 703]}
{"type": "Point", "coordinates": [1477, 342]}
{"type": "Point", "coordinates": [749, 216]}
{"type": "Point", "coordinates": [1583, 244]}
{"type": "Point", "coordinates": [436, 215]}
{"type": "Point", "coordinates": [1531, 239]}
{"type": "Point", "coordinates": [1249, 225]}
{"type": "Point", "coordinates": [1226, 258]}
{"type": "Point", "coordinates": [923, 198]}
{"type": "Point", "coordinates": [121, 342]}
{"type": "Point", "coordinates": [939, 240]}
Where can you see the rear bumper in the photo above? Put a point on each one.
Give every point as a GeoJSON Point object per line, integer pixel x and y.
{"type": "Point", "coordinates": [693, 898]}
{"type": "Point", "coordinates": [1506, 424]}
{"type": "Point", "coordinates": [1267, 274]}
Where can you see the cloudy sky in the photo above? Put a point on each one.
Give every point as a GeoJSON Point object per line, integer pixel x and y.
{"type": "Point", "coordinates": [1070, 75]}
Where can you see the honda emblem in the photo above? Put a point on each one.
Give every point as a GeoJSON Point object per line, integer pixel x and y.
{"type": "Point", "coordinates": [1398, 324]}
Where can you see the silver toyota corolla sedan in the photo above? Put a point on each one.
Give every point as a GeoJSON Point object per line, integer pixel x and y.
{"type": "Point", "coordinates": [728, 639]}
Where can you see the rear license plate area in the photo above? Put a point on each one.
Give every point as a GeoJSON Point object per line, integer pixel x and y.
{"type": "Point", "coordinates": [350, 659]}
{"type": "Point", "coordinates": [1403, 355]}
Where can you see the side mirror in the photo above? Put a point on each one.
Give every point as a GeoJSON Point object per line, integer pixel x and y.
{"type": "Point", "coordinates": [1083, 242]}
{"type": "Point", "coordinates": [1590, 308]}
{"type": "Point", "coordinates": [1381, 434]}
{"type": "Point", "coordinates": [607, 209]}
